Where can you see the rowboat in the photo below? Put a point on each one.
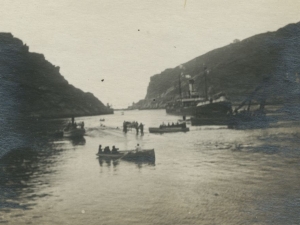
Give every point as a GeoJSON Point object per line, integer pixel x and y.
{"type": "Point", "coordinates": [73, 132]}
{"type": "Point", "coordinates": [168, 129]}
{"type": "Point", "coordinates": [146, 155]}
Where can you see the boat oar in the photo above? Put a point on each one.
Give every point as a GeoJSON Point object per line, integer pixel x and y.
{"type": "Point", "coordinates": [126, 153]}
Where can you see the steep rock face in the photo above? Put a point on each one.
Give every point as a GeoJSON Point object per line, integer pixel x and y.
{"type": "Point", "coordinates": [42, 91]}
{"type": "Point", "coordinates": [272, 58]}
{"type": "Point", "coordinates": [32, 87]}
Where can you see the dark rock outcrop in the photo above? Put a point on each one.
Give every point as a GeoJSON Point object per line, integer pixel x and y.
{"type": "Point", "coordinates": [40, 89]}
{"type": "Point", "coordinates": [237, 69]}
{"type": "Point", "coordinates": [31, 87]}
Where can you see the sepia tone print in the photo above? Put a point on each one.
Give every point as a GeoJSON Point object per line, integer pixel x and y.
{"type": "Point", "coordinates": [135, 112]}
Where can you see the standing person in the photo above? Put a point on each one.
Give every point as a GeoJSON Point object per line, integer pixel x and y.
{"type": "Point", "coordinates": [142, 128]}
{"type": "Point", "coordinates": [72, 120]}
{"type": "Point", "coordinates": [137, 128]}
{"type": "Point", "coordinates": [124, 124]}
{"type": "Point", "coordinates": [125, 130]}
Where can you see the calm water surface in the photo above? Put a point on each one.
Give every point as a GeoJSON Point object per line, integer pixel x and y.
{"type": "Point", "coordinates": [210, 175]}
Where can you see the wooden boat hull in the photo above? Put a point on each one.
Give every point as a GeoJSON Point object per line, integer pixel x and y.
{"type": "Point", "coordinates": [147, 155]}
{"type": "Point", "coordinates": [168, 129]}
{"type": "Point", "coordinates": [78, 132]}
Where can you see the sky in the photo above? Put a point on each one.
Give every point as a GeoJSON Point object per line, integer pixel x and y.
{"type": "Point", "coordinates": [127, 42]}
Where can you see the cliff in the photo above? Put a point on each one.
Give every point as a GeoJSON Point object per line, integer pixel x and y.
{"type": "Point", "coordinates": [272, 58]}
{"type": "Point", "coordinates": [30, 88]}
{"type": "Point", "coordinates": [39, 88]}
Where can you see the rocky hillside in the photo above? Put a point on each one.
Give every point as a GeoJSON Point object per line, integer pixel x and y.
{"type": "Point", "coordinates": [40, 89]}
{"type": "Point", "coordinates": [31, 88]}
{"type": "Point", "coordinates": [271, 59]}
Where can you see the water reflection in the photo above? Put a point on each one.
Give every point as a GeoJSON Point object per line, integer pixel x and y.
{"type": "Point", "coordinates": [78, 141]}
{"type": "Point", "coordinates": [108, 162]}
{"type": "Point", "coordinates": [205, 166]}
{"type": "Point", "coordinates": [17, 168]}
{"type": "Point", "coordinates": [115, 162]}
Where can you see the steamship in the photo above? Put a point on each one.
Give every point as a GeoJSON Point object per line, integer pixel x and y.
{"type": "Point", "coordinates": [204, 111]}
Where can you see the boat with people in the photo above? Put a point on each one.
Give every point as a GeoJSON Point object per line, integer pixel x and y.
{"type": "Point", "coordinates": [170, 128]}
{"type": "Point", "coordinates": [127, 125]}
{"type": "Point", "coordinates": [74, 130]}
{"type": "Point", "coordinates": [147, 155]}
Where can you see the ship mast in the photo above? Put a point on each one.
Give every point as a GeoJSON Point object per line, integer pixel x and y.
{"type": "Point", "coordinates": [206, 71]}
{"type": "Point", "coordinates": [179, 80]}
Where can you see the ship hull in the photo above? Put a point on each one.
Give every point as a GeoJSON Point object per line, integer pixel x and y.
{"type": "Point", "coordinates": [183, 111]}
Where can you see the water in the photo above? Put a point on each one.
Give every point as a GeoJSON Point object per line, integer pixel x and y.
{"type": "Point", "coordinates": [210, 175]}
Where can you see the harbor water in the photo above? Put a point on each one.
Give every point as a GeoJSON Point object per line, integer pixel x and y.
{"type": "Point", "coordinates": [209, 175]}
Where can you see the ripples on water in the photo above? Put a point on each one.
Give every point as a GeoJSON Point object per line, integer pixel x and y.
{"type": "Point", "coordinates": [210, 175]}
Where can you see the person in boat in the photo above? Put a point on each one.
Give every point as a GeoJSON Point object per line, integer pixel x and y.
{"type": "Point", "coordinates": [114, 150]}
{"type": "Point", "coordinates": [138, 148]}
{"type": "Point", "coordinates": [142, 128]}
{"type": "Point", "coordinates": [72, 120]}
{"type": "Point", "coordinates": [100, 149]}
{"type": "Point", "coordinates": [107, 150]}
{"type": "Point", "coordinates": [82, 125]}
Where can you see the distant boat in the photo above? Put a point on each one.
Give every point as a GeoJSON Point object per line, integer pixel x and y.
{"type": "Point", "coordinates": [147, 155]}
{"type": "Point", "coordinates": [216, 106]}
{"type": "Point", "coordinates": [73, 132]}
{"type": "Point", "coordinates": [169, 129]}
{"type": "Point", "coordinates": [102, 120]}
{"type": "Point", "coordinates": [249, 120]}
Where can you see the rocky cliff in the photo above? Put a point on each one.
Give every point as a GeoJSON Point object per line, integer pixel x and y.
{"type": "Point", "coordinates": [272, 58]}
{"type": "Point", "coordinates": [39, 88]}
{"type": "Point", "coordinates": [30, 88]}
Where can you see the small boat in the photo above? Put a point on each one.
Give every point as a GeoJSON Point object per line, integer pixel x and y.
{"type": "Point", "coordinates": [102, 120]}
{"type": "Point", "coordinates": [73, 132]}
{"type": "Point", "coordinates": [168, 129]}
{"type": "Point", "coordinates": [146, 155]}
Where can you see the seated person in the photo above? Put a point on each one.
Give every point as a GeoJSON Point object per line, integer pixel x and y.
{"type": "Point", "coordinates": [100, 149]}
{"type": "Point", "coordinates": [106, 150]}
{"type": "Point", "coordinates": [114, 150]}
{"type": "Point", "coordinates": [138, 148]}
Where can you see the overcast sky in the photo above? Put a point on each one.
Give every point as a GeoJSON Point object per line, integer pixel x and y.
{"type": "Point", "coordinates": [126, 42]}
